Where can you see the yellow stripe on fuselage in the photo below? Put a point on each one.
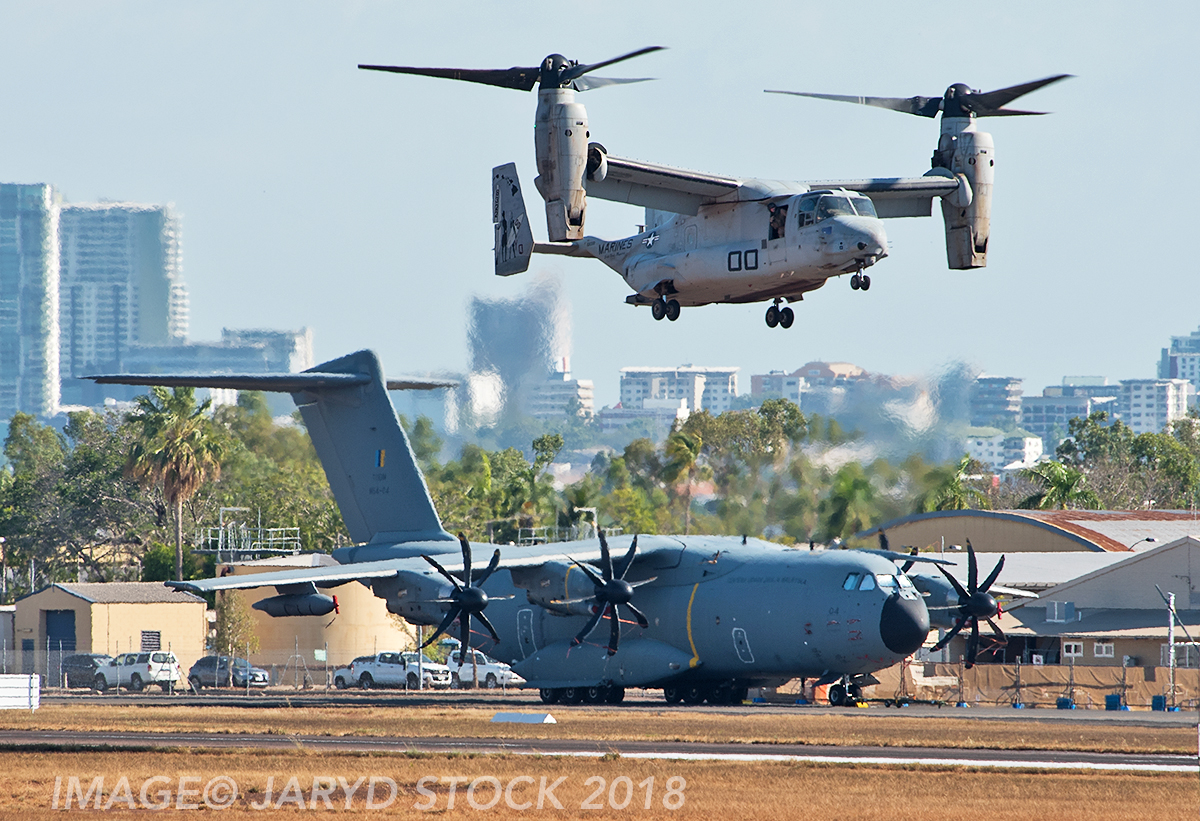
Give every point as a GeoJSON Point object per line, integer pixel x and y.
{"type": "Point", "coordinates": [695, 656]}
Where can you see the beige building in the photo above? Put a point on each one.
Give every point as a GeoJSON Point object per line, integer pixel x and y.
{"type": "Point", "coordinates": [361, 626]}
{"type": "Point", "coordinates": [107, 617]}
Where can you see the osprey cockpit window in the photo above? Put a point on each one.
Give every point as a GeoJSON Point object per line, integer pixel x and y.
{"type": "Point", "coordinates": [867, 583]}
{"type": "Point", "coordinates": [833, 206]}
{"type": "Point", "coordinates": [886, 582]}
{"type": "Point", "coordinates": [864, 207]}
{"type": "Point", "coordinates": [807, 208]}
{"type": "Point", "coordinates": [851, 582]}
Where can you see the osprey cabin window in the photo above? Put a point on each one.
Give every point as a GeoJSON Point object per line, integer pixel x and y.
{"type": "Point", "coordinates": [851, 582]}
{"type": "Point", "coordinates": [778, 220]}
{"type": "Point", "coordinates": [807, 208]}
{"type": "Point", "coordinates": [867, 583]}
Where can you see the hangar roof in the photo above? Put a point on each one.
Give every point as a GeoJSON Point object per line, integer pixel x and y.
{"type": "Point", "coordinates": [127, 593]}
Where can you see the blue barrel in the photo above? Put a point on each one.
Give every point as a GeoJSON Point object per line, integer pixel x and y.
{"type": "Point", "coordinates": [1158, 703]}
{"type": "Point", "coordinates": [1112, 702]}
{"type": "Point", "coordinates": [1065, 703]}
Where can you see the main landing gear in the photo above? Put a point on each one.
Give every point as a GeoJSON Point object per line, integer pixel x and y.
{"type": "Point", "coordinates": [663, 307]}
{"type": "Point", "coordinates": [860, 282]}
{"type": "Point", "coordinates": [783, 317]}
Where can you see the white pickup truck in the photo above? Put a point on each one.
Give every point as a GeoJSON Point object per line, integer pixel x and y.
{"type": "Point", "coordinates": [397, 670]}
{"type": "Point", "coordinates": [136, 670]}
{"type": "Point", "coordinates": [488, 672]}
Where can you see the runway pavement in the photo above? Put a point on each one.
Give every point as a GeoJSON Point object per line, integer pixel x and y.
{"type": "Point", "coordinates": [855, 755]}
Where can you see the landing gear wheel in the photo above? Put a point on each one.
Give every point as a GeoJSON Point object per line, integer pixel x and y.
{"type": "Point", "coordinates": [740, 694]}
{"type": "Point", "coordinates": [572, 695]}
{"type": "Point", "coordinates": [673, 695]}
{"type": "Point", "coordinates": [658, 309]}
{"type": "Point", "coordinates": [854, 694]}
{"type": "Point", "coordinates": [720, 695]}
{"type": "Point", "coordinates": [772, 316]}
{"type": "Point", "coordinates": [673, 310]}
{"type": "Point", "coordinates": [786, 317]}
{"type": "Point", "coordinates": [615, 695]}
{"type": "Point", "coordinates": [694, 695]}
{"type": "Point", "coordinates": [594, 695]}
{"type": "Point", "coordinates": [550, 695]}
{"type": "Point", "coordinates": [855, 282]}
{"type": "Point", "coordinates": [837, 695]}
{"type": "Point", "coordinates": [865, 282]}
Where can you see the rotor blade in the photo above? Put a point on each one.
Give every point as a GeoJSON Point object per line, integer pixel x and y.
{"type": "Point", "coordinates": [587, 571]}
{"type": "Point", "coordinates": [644, 581]}
{"type": "Point", "coordinates": [959, 625]}
{"type": "Point", "coordinates": [484, 621]}
{"type": "Point", "coordinates": [574, 601]}
{"type": "Point", "coordinates": [574, 72]}
{"type": "Point", "coordinates": [628, 560]}
{"type": "Point", "coordinates": [991, 103]}
{"type": "Point", "coordinates": [999, 633]}
{"type": "Point", "coordinates": [883, 541]}
{"type": "Point", "coordinates": [614, 631]}
{"type": "Point", "coordinates": [446, 622]}
{"type": "Point", "coordinates": [518, 77]}
{"type": "Point", "coordinates": [991, 577]}
{"type": "Point", "coordinates": [442, 570]}
{"type": "Point", "coordinates": [590, 626]}
{"type": "Point", "coordinates": [588, 83]}
{"type": "Point", "coordinates": [464, 643]}
{"type": "Point", "coordinates": [606, 565]}
{"type": "Point", "coordinates": [907, 566]}
{"type": "Point", "coordinates": [963, 595]}
{"type": "Point", "coordinates": [972, 569]}
{"type": "Point", "coordinates": [642, 621]}
{"type": "Point", "coordinates": [466, 550]}
{"type": "Point", "coordinates": [973, 643]}
{"type": "Point", "coordinates": [491, 568]}
{"type": "Point", "coordinates": [921, 106]}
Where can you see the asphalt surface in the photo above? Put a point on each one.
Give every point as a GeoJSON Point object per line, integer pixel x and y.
{"type": "Point", "coordinates": [1039, 759]}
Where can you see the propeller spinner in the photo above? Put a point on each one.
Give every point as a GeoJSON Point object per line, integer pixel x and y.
{"type": "Point", "coordinates": [466, 599]}
{"type": "Point", "coordinates": [974, 603]}
{"type": "Point", "coordinates": [611, 593]}
{"type": "Point", "coordinates": [556, 71]}
{"type": "Point", "coordinates": [959, 100]}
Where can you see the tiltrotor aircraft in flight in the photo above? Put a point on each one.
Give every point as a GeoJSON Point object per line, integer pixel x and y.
{"type": "Point", "coordinates": [702, 617]}
{"type": "Point", "coordinates": [717, 239]}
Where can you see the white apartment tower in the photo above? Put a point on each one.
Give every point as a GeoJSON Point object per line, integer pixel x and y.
{"type": "Point", "coordinates": [711, 389]}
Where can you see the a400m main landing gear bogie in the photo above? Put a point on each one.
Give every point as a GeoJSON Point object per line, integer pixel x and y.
{"type": "Point", "coordinates": [603, 694]}
{"type": "Point", "coordinates": [860, 282]}
{"type": "Point", "coordinates": [783, 317]}
{"type": "Point", "coordinates": [663, 307]}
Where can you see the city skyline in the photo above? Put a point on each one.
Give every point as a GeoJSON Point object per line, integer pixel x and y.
{"type": "Point", "coordinates": [319, 196]}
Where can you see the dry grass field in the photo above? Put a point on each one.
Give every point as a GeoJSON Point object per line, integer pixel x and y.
{"type": "Point", "coordinates": [713, 789]}
{"type": "Point", "coordinates": [801, 727]}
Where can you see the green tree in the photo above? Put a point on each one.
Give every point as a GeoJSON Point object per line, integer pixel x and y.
{"type": "Point", "coordinates": [175, 448]}
{"type": "Point", "coordinates": [850, 505]}
{"type": "Point", "coordinates": [234, 625]}
{"type": "Point", "coordinates": [683, 468]}
{"type": "Point", "coordinates": [1062, 487]}
{"type": "Point", "coordinates": [953, 489]}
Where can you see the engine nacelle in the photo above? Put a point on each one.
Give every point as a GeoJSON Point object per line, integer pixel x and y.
{"type": "Point", "coordinates": [970, 156]}
{"type": "Point", "coordinates": [413, 596]}
{"type": "Point", "coordinates": [597, 162]}
{"type": "Point", "coordinates": [560, 138]}
{"type": "Point", "coordinates": [550, 583]}
{"type": "Point", "coordinates": [297, 604]}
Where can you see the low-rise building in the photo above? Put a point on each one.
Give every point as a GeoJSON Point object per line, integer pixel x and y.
{"type": "Point", "coordinates": [711, 389]}
{"type": "Point", "coordinates": [777, 385]}
{"type": "Point", "coordinates": [1001, 450]}
{"type": "Point", "coordinates": [560, 395]}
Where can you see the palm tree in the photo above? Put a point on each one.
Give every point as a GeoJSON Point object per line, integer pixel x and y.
{"type": "Point", "coordinates": [851, 503]}
{"type": "Point", "coordinates": [175, 447]}
{"type": "Point", "coordinates": [683, 453]}
{"type": "Point", "coordinates": [1062, 488]}
{"type": "Point", "coordinates": [954, 491]}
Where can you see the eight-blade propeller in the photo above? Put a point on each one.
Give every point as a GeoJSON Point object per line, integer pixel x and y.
{"type": "Point", "coordinates": [555, 71]}
{"type": "Point", "coordinates": [959, 100]}
{"type": "Point", "coordinates": [611, 593]}
{"type": "Point", "coordinates": [466, 600]}
{"type": "Point", "coordinates": [974, 603]}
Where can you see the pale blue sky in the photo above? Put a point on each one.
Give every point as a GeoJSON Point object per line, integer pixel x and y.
{"type": "Point", "coordinates": [358, 203]}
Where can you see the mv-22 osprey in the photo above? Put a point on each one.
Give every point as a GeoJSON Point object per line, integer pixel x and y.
{"type": "Point", "coordinates": [702, 617]}
{"type": "Point", "coordinates": [716, 239]}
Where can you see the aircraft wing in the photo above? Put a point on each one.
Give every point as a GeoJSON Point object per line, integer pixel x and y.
{"type": "Point", "coordinates": [683, 192]}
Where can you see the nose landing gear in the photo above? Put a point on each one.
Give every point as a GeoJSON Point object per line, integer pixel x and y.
{"type": "Point", "coordinates": [783, 317]}
{"type": "Point", "coordinates": [860, 282]}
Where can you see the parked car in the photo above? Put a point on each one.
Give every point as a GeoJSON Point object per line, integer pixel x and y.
{"type": "Point", "coordinates": [344, 677]}
{"type": "Point", "coordinates": [80, 670]}
{"type": "Point", "coordinates": [487, 671]}
{"type": "Point", "coordinates": [135, 670]}
{"type": "Point", "coordinates": [397, 670]}
{"type": "Point", "coordinates": [224, 671]}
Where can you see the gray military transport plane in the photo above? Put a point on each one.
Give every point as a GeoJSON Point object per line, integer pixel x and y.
{"type": "Point", "coordinates": [702, 617]}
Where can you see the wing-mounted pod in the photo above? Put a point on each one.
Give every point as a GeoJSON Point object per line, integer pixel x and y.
{"type": "Point", "coordinates": [514, 238]}
{"type": "Point", "coordinates": [964, 152]}
{"type": "Point", "coordinates": [297, 600]}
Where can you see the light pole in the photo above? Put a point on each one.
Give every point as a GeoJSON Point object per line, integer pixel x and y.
{"type": "Point", "coordinates": [3, 572]}
{"type": "Point", "coordinates": [1148, 539]}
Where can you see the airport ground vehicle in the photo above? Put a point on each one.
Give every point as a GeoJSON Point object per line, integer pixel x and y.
{"type": "Point", "coordinates": [80, 670]}
{"type": "Point", "coordinates": [344, 677]}
{"type": "Point", "coordinates": [488, 672]}
{"type": "Point", "coordinates": [135, 670]}
{"type": "Point", "coordinates": [397, 670]}
{"type": "Point", "coordinates": [222, 671]}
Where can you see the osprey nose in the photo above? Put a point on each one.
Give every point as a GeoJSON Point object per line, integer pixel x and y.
{"type": "Point", "coordinates": [904, 624]}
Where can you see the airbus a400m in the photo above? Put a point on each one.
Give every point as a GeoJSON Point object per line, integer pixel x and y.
{"type": "Point", "coordinates": [702, 617]}
{"type": "Point", "coordinates": [719, 239]}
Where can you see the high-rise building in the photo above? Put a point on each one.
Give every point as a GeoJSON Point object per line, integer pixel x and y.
{"type": "Point", "coordinates": [560, 396]}
{"type": "Point", "coordinates": [996, 402]}
{"type": "Point", "coordinates": [121, 285]}
{"type": "Point", "coordinates": [711, 389]}
{"type": "Point", "coordinates": [29, 283]}
{"type": "Point", "coordinates": [777, 385]}
{"type": "Point", "coordinates": [1149, 405]}
{"type": "Point", "coordinates": [1182, 359]}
